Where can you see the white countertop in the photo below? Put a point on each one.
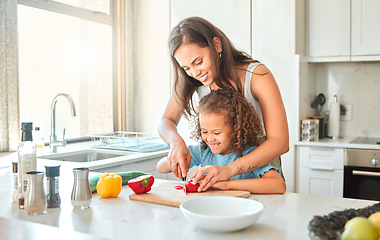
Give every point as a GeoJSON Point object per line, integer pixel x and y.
{"type": "Point", "coordinates": [285, 216]}
{"type": "Point", "coordinates": [338, 143]}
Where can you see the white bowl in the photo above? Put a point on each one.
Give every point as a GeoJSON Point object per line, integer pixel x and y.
{"type": "Point", "coordinates": [222, 214]}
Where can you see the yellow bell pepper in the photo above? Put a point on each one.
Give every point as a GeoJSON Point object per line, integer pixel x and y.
{"type": "Point", "coordinates": [109, 185]}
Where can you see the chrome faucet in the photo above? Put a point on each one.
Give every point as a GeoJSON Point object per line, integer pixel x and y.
{"type": "Point", "coordinates": [53, 138]}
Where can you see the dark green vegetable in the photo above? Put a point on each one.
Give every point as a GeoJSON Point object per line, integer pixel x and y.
{"type": "Point", "coordinates": [126, 176]}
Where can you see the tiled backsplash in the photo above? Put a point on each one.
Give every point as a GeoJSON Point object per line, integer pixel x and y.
{"type": "Point", "coordinates": [357, 84]}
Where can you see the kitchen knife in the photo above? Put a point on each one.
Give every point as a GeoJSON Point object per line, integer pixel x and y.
{"type": "Point", "coordinates": [184, 184]}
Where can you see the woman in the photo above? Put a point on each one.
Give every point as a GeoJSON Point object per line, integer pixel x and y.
{"type": "Point", "coordinates": [204, 59]}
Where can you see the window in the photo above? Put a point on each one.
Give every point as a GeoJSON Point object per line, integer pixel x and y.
{"type": "Point", "coordinates": [66, 49]}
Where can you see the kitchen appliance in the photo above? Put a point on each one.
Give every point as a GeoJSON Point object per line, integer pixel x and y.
{"type": "Point", "coordinates": [367, 140]}
{"type": "Point", "coordinates": [362, 174]}
{"type": "Point", "coordinates": [167, 194]}
{"type": "Point", "coordinates": [318, 102]}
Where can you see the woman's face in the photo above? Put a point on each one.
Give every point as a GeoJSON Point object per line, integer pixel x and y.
{"type": "Point", "coordinates": [216, 132]}
{"type": "Point", "coordinates": [196, 61]}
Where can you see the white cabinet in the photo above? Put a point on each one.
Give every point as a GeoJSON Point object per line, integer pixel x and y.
{"type": "Point", "coordinates": [320, 171]}
{"type": "Point", "coordinates": [329, 30]}
{"type": "Point", "coordinates": [365, 30]}
{"type": "Point", "coordinates": [343, 30]}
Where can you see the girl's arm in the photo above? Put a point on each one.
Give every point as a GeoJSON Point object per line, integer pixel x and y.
{"type": "Point", "coordinates": [270, 182]}
{"type": "Point", "coordinates": [265, 90]}
{"type": "Point", "coordinates": [163, 166]}
{"type": "Point", "coordinates": [179, 156]}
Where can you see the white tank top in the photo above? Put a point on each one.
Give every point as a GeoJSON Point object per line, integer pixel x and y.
{"type": "Point", "coordinates": [204, 90]}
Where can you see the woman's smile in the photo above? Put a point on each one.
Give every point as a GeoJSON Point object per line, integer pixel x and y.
{"type": "Point", "coordinates": [203, 78]}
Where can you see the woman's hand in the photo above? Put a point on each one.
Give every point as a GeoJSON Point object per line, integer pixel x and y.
{"type": "Point", "coordinates": [208, 175]}
{"type": "Point", "coordinates": [179, 159]}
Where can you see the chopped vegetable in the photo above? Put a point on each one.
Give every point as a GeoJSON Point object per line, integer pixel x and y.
{"type": "Point", "coordinates": [191, 187]}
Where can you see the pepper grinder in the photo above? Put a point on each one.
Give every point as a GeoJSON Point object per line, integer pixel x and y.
{"type": "Point", "coordinates": [81, 194]}
{"type": "Point", "coordinates": [52, 177]}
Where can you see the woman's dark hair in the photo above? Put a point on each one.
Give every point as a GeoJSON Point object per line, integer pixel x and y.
{"type": "Point", "coordinates": [238, 112]}
{"type": "Point", "coordinates": [200, 31]}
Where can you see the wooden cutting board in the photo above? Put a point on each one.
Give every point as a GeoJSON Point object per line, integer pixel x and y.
{"type": "Point", "coordinates": [166, 194]}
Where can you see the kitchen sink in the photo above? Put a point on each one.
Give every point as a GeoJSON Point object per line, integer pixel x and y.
{"type": "Point", "coordinates": [88, 155]}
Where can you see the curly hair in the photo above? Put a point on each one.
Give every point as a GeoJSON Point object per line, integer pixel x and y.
{"type": "Point", "coordinates": [237, 111]}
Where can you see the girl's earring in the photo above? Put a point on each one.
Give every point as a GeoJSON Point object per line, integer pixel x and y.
{"type": "Point", "coordinates": [220, 55]}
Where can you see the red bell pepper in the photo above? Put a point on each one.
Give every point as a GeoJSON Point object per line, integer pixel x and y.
{"type": "Point", "coordinates": [191, 187]}
{"type": "Point", "coordinates": [141, 184]}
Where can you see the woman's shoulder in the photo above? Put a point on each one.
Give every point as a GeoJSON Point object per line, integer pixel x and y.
{"type": "Point", "coordinates": [258, 68]}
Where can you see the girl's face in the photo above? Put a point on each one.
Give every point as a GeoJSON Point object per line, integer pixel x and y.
{"type": "Point", "coordinates": [196, 61]}
{"type": "Point", "coordinates": [216, 132]}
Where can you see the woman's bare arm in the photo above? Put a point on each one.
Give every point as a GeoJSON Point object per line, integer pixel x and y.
{"type": "Point", "coordinates": [179, 156]}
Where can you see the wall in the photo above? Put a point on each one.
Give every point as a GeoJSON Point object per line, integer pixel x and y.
{"type": "Point", "coordinates": [152, 62]}
{"type": "Point", "coordinates": [273, 39]}
{"type": "Point", "coordinates": [357, 84]}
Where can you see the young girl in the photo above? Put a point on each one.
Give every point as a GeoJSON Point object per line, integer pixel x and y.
{"type": "Point", "coordinates": [204, 59]}
{"type": "Point", "coordinates": [228, 128]}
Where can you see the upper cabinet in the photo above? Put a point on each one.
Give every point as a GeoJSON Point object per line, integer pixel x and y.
{"type": "Point", "coordinates": [343, 30]}
{"type": "Point", "coordinates": [365, 30]}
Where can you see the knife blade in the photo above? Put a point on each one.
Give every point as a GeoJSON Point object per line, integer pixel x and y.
{"type": "Point", "coordinates": [184, 184]}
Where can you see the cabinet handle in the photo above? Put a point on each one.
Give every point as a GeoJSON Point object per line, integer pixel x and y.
{"type": "Point", "coordinates": [323, 148]}
{"type": "Point", "coordinates": [322, 168]}
{"type": "Point", "coordinates": [366, 173]}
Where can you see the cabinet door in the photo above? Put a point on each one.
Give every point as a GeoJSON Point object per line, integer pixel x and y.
{"type": "Point", "coordinates": [321, 182]}
{"type": "Point", "coordinates": [365, 30]}
{"type": "Point", "coordinates": [329, 30]}
{"type": "Point", "coordinates": [320, 171]}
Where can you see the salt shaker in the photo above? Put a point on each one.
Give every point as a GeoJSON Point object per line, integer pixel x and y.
{"type": "Point", "coordinates": [52, 177]}
{"type": "Point", "coordinates": [81, 194]}
{"type": "Point", "coordinates": [35, 197]}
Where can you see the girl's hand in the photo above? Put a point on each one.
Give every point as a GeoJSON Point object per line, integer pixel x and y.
{"type": "Point", "coordinates": [179, 159]}
{"type": "Point", "coordinates": [208, 175]}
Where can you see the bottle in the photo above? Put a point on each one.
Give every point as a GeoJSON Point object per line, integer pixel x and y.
{"type": "Point", "coordinates": [15, 181]}
{"type": "Point", "coordinates": [35, 197]}
{"type": "Point", "coordinates": [26, 160]}
{"type": "Point", "coordinates": [52, 177]}
{"type": "Point", "coordinates": [38, 139]}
